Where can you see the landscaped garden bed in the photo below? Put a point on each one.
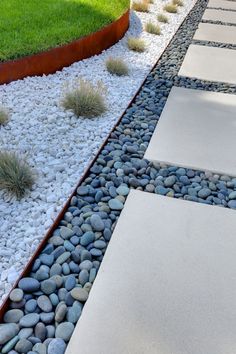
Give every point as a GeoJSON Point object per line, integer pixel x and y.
{"type": "Point", "coordinates": [58, 146]}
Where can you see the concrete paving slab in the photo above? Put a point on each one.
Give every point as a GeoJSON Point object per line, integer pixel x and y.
{"type": "Point", "coordinates": [210, 64]}
{"type": "Point", "coordinates": [216, 33]}
{"type": "Point", "coordinates": [197, 129]}
{"type": "Point", "coordinates": [167, 283]}
{"type": "Point", "coordinates": [222, 4]}
{"type": "Point", "coordinates": [220, 15]}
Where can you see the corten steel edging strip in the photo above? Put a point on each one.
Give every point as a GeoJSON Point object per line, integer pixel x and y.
{"type": "Point", "coordinates": [55, 59]}
{"type": "Point", "coordinates": [60, 216]}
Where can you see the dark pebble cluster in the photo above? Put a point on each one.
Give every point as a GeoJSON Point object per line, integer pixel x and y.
{"type": "Point", "coordinates": [46, 305]}
{"type": "Point", "coordinates": [215, 44]}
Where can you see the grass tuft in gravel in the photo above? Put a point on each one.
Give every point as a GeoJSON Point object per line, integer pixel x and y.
{"type": "Point", "coordinates": [178, 2]}
{"type": "Point", "coordinates": [85, 100]}
{"type": "Point", "coordinates": [152, 28]}
{"type": "Point", "coordinates": [140, 6]}
{"type": "Point", "coordinates": [136, 44]}
{"type": "Point", "coordinates": [4, 116]}
{"type": "Point", "coordinates": [162, 18]}
{"type": "Point", "coordinates": [117, 66]}
{"type": "Point", "coordinates": [171, 8]}
{"type": "Point", "coordinates": [15, 175]}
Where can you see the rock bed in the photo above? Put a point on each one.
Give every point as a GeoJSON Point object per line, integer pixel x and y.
{"type": "Point", "coordinates": [215, 44]}
{"type": "Point", "coordinates": [219, 22]}
{"type": "Point", "coordinates": [46, 305]}
{"type": "Point", "coordinates": [58, 145]}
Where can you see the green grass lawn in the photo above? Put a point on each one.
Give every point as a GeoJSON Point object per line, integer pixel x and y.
{"type": "Point", "coordinates": [30, 26]}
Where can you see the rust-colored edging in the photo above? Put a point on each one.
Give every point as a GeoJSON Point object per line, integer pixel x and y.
{"type": "Point", "coordinates": [50, 61]}
{"type": "Point", "coordinates": [26, 271]}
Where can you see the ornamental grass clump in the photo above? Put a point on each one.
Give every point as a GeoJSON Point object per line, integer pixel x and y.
{"type": "Point", "coordinates": [86, 100]}
{"type": "Point", "coordinates": [15, 175]}
{"type": "Point", "coordinates": [140, 6]}
{"type": "Point", "coordinates": [178, 2]}
{"type": "Point", "coordinates": [4, 116]}
{"type": "Point", "coordinates": [152, 28]}
{"type": "Point", "coordinates": [171, 8]}
{"type": "Point", "coordinates": [136, 44]}
{"type": "Point", "coordinates": [117, 66]}
{"type": "Point", "coordinates": [162, 18]}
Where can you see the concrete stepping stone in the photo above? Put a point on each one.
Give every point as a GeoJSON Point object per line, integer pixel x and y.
{"type": "Point", "coordinates": [210, 64]}
{"type": "Point", "coordinates": [216, 33]}
{"type": "Point", "coordinates": [197, 129]}
{"type": "Point", "coordinates": [219, 15]}
{"type": "Point", "coordinates": [167, 282]}
{"type": "Point", "coordinates": [222, 4]}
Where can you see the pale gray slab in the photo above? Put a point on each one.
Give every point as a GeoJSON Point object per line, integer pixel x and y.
{"type": "Point", "coordinates": [167, 284]}
{"type": "Point", "coordinates": [222, 4]}
{"type": "Point", "coordinates": [210, 64]}
{"type": "Point", "coordinates": [220, 15]}
{"type": "Point", "coordinates": [197, 129]}
{"type": "Point", "coordinates": [216, 33]}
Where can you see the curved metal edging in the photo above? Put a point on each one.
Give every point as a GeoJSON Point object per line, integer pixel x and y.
{"type": "Point", "coordinates": [50, 61]}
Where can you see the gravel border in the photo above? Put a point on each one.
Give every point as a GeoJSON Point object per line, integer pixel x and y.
{"type": "Point", "coordinates": [51, 300]}
{"type": "Point", "coordinates": [214, 44]}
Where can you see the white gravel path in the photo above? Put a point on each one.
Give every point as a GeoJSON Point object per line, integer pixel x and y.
{"type": "Point", "coordinates": [58, 145]}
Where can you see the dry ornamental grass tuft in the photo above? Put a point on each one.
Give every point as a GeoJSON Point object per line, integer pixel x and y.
{"type": "Point", "coordinates": [162, 18]}
{"type": "Point", "coordinates": [152, 28]}
{"type": "Point", "coordinates": [171, 8]}
{"type": "Point", "coordinates": [86, 100]}
{"type": "Point", "coordinates": [140, 6]}
{"type": "Point", "coordinates": [15, 175]}
{"type": "Point", "coordinates": [4, 116]}
{"type": "Point", "coordinates": [136, 44]}
{"type": "Point", "coordinates": [117, 66]}
{"type": "Point", "coordinates": [178, 2]}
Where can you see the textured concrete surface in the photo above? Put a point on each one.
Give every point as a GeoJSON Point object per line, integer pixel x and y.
{"type": "Point", "coordinates": [210, 64]}
{"type": "Point", "coordinates": [167, 283]}
{"type": "Point", "coordinates": [222, 4]}
{"type": "Point", "coordinates": [197, 129]}
{"type": "Point", "coordinates": [220, 15]}
{"type": "Point", "coordinates": [216, 33]}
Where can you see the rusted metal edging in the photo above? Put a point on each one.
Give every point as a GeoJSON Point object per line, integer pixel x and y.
{"type": "Point", "coordinates": [52, 60]}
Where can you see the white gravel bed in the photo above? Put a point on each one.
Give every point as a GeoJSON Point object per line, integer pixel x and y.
{"type": "Point", "coordinates": [59, 146]}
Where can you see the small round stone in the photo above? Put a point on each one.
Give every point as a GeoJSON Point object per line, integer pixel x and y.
{"type": "Point", "coordinates": [29, 284]}
{"type": "Point", "coordinates": [79, 294]}
{"type": "Point", "coordinates": [97, 223]}
{"type": "Point", "coordinates": [44, 303]}
{"type": "Point", "coordinates": [13, 316]}
{"type": "Point", "coordinates": [48, 286]}
{"type": "Point", "coordinates": [60, 312]}
{"type": "Point", "coordinates": [115, 204]}
{"type": "Point", "coordinates": [16, 295]}
{"type": "Point", "coordinates": [23, 346]}
{"type": "Point", "coordinates": [29, 320]}
{"type": "Point", "coordinates": [87, 238]}
{"type": "Point", "coordinates": [57, 346]}
{"type": "Point", "coordinates": [7, 332]}
{"type": "Point", "coordinates": [70, 282]}
{"type": "Point", "coordinates": [64, 331]}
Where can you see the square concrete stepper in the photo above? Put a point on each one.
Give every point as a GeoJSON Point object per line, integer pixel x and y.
{"type": "Point", "coordinates": [167, 284]}
{"type": "Point", "coordinates": [219, 15]}
{"type": "Point", "coordinates": [222, 4]}
{"type": "Point", "coordinates": [197, 129]}
{"type": "Point", "coordinates": [210, 64]}
{"type": "Point", "coordinates": [216, 33]}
